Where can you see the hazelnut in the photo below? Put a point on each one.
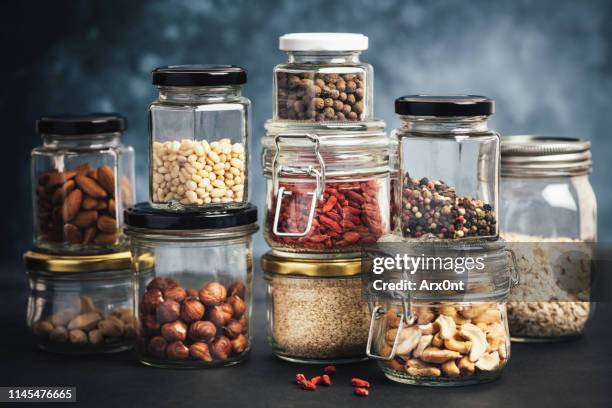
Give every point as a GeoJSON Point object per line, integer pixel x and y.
{"type": "Point", "coordinates": [175, 331]}
{"type": "Point", "coordinates": [200, 351]}
{"type": "Point", "coordinates": [202, 331]}
{"type": "Point", "coordinates": [238, 306]}
{"type": "Point", "coordinates": [238, 289]}
{"type": "Point", "coordinates": [192, 311]}
{"type": "Point", "coordinates": [62, 317]}
{"type": "Point", "coordinates": [176, 293]}
{"type": "Point", "coordinates": [221, 314]}
{"type": "Point", "coordinates": [158, 283]}
{"type": "Point", "coordinates": [150, 324]}
{"type": "Point", "coordinates": [130, 331]}
{"type": "Point", "coordinates": [245, 323]}
{"type": "Point", "coordinates": [95, 337]}
{"type": "Point", "coordinates": [221, 347]}
{"type": "Point", "coordinates": [212, 294]}
{"type": "Point", "coordinates": [233, 329]}
{"type": "Point", "coordinates": [77, 337]}
{"type": "Point", "coordinates": [59, 334]}
{"type": "Point", "coordinates": [177, 351]}
{"type": "Point", "coordinates": [42, 328]}
{"type": "Point", "coordinates": [192, 293]}
{"type": "Point", "coordinates": [168, 311]}
{"type": "Point", "coordinates": [240, 344]}
{"type": "Point", "coordinates": [150, 300]}
{"type": "Point", "coordinates": [157, 347]}
{"type": "Point", "coordinates": [111, 327]}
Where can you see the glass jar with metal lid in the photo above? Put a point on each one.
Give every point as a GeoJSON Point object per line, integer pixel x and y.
{"type": "Point", "coordinates": [316, 311]}
{"type": "Point", "coordinates": [81, 305]}
{"type": "Point", "coordinates": [327, 186]}
{"type": "Point", "coordinates": [446, 335]}
{"type": "Point", "coordinates": [199, 138]}
{"type": "Point", "coordinates": [194, 310]}
{"type": "Point", "coordinates": [449, 167]}
{"type": "Point", "coordinates": [323, 80]}
{"type": "Point", "coordinates": [550, 213]}
{"type": "Point", "coordinates": [82, 178]}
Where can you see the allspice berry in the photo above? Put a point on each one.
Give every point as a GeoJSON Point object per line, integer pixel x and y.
{"type": "Point", "coordinates": [240, 344]}
{"type": "Point", "coordinates": [177, 351]}
{"type": "Point", "coordinates": [200, 351]}
{"type": "Point", "coordinates": [168, 311]}
{"type": "Point", "coordinates": [192, 311]}
{"type": "Point", "coordinates": [202, 331]}
{"type": "Point", "coordinates": [157, 347]}
{"type": "Point", "coordinates": [175, 293]}
{"type": "Point", "coordinates": [212, 294]}
{"type": "Point", "coordinates": [221, 347]}
{"type": "Point", "coordinates": [174, 331]}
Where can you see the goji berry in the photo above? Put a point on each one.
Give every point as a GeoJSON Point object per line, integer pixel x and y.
{"type": "Point", "coordinates": [308, 385]}
{"type": "Point", "coordinates": [330, 370]}
{"type": "Point", "coordinates": [316, 380]}
{"type": "Point", "coordinates": [299, 378]}
{"type": "Point", "coordinates": [362, 392]}
{"type": "Point", "coordinates": [329, 205]}
{"type": "Point", "coordinates": [325, 379]}
{"type": "Point", "coordinates": [358, 382]}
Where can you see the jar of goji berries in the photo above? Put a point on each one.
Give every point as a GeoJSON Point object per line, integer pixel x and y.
{"type": "Point", "coordinates": [82, 179]}
{"type": "Point", "coordinates": [449, 168]}
{"type": "Point", "coordinates": [327, 187]}
{"type": "Point", "coordinates": [324, 79]}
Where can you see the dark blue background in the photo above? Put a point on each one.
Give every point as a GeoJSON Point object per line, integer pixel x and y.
{"type": "Point", "coordinates": [548, 64]}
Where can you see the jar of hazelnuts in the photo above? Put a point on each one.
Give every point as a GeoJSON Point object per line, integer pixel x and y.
{"type": "Point", "coordinates": [323, 79]}
{"type": "Point", "coordinates": [194, 309]}
{"type": "Point", "coordinates": [81, 305]}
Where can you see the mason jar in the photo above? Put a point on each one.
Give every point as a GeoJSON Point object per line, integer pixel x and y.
{"type": "Point", "coordinates": [199, 138]}
{"type": "Point", "coordinates": [194, 310]}
{"type": "Point", "coordinates": [315, 308]}
{"type": "Point", "coordinates": [445, 337]}
{"type": "Point", "coordinates": [324, 79]}
{"type": "Point", "coordinates": [550, 214]}
{"type": "Point", "coordinates": [449, 168]}
{"type": "Point", "coordinates": [82, 178]}
{"type": "Point", "coordinates": [327, 187]}
{"type": "Point", "coordinates": [81, 304]}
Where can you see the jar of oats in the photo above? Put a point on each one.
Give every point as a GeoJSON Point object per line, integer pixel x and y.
{"type": "Point", "coordinates": [550, 221]}
{"type": "Point", "coordinates": [199, 131]}
{"type": "Point", "coordinates": [316, 312]}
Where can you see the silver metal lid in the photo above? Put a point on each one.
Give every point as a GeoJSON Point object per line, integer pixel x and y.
{"type": "Point", "coordinates": [544, 156]}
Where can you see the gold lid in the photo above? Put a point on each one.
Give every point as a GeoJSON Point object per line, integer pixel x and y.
{"type": "Point", "coordinates": [75, 264]}
{"type": "Point", "coordinates": [327, 268]}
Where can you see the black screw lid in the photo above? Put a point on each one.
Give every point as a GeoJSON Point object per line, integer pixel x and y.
{"type": "Point", "coordinates": [75, 125]}
{"type": "Point", "coordinates": [142, 215]}
{"type": "Point", "coordinates": [199, 75]}
{"type": "Point", "coordinates": [452, 105]}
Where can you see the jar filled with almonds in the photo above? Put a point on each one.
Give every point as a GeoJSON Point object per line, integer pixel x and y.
{"type": "Point", "coordinates": [199, 128]}
{"type": "Point", "coordinates": [82, 179]}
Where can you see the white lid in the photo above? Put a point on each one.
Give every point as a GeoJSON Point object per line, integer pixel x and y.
{"type": "Point", "coordinates": [323, 42]}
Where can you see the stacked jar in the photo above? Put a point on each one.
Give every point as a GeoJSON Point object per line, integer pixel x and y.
{"type": "Point", "coordinates": [326, 163]}
{"type": "Point", "coordinates": [191, 244]}
{"type": "Point", "coordinates": [82, 178]}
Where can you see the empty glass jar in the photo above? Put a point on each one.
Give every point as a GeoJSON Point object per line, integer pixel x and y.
{"type": "Point", "coordinates": [323, 79]}
{"type": "Point", "coordinates": [550, 213]}
{"type": "Point", "coordinates": [194, 310]}
{"type": "Point", "coordinates": [81, 304]}
{"type": "Point", "coordinates": [199, 138]}
{"type": "Point", "coordinates": [449, 167]}
{"type": "Point", "coordinates": [82, 178]}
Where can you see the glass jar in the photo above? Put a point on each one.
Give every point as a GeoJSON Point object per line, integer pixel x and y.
{"type": "Point", "coordinates": [194, 310]}
{"type": "Point", "coordinates": [316, 311]}
{"type": "Point", "coordinates": [449, 167]}
{"type": "Point", "coordinates": [327, 187]}
{"type": "Point", "coordinates": [550, 212]}
{"type": "Point", "coordinates": [440, 337]}
{"type": "Point", "coordinates": [82, 178]}
{"type": "Point", "coordinates": [199, 138]}
{"type": "Point", "coordinates": [323, 80]}
{"type": "Point", "coordinates": [80, 305]}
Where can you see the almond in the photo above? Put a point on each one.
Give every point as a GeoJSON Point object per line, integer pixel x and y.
{"type": "Point", "coordinates": [89, 235]}
{"type": "Point", "coordinates": [106, 178]}
{"type": "Point", "coordinates": [72, 234]}
{"type": "Point", "coordinates": [72, 203]}
{"type": "Point", "coordinates": [92, 173]}
{"type": "Point", "coordinates": [89, 203]}
{"type": "Point", "coordinates": [105, 239]}
{"type": "Point", "coordinates": [111, 206]}
{"type": "Point", "coordinates": [85, 219]}
{"type": "Point", "coordinates": [61, 192]}
{"type": "Point", "coordinates": [90, 187]}
{"type": "Point", "coordinates": [101, 205]}
{"type": "Point", "coordinates": [55, 179]}
{"type": "Point", "coordinates": [107, 224]}
{"type": "Point", "coordinates": [82, 169]}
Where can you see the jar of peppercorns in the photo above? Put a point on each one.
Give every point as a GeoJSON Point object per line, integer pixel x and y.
{"type": "Point", "coordinates": [449, 168]}
{"type": "Point", "coordinates": [82, 178]}
{"type": "Point", "coordinates": [193, 310]}
{"type": "Point", "coordinates": [199, 136]}
{"type": "Point", "coordinates": [324, 79]}
{"type": "Point", "coordinates": [327, 187]}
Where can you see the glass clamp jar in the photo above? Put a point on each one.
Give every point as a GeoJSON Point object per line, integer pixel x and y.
{"type": "Point", "coordinates": [80, 304]}
{"type": "Point", "coordinates": [82, 178]}
{"type": "Point", "coordinates": [550, 213]}
{"type": "Point", "coordinates": [446, 338]}
{"type": "Point", "coordinates": [194, 310]}
{"type": "Point", "coordinates": [327, 187]}
{"type": "Point", "coordinates": [324, 79]}
{"type": "Point", "coordinates": [316, 311]}
{"type": "Point", "coordinates": [199, 138]}
{"type": "Point", "coordinates": [449, 168]}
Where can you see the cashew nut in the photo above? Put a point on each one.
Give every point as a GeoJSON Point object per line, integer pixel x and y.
{"type": "Point", "coordinates": [438, 356]}
{"type": "Point", "coordinates": [503, 351]}
{"type": "Point", "coordinates": [448, 310]}
{"type": "Point", "coordinates": [466, 366]}
{"type": "Point", "coordinates": [437, 341]}
{"type": "Point", "coordinates": [489, 316]}
{"type": "Point", "coordinates": [475, 310]}
{"type": "Point", "coordinates": [418, 368]}
{"type": "Point", "coordinates": [409, 338]}
{"type": "Point", "coordinates": [425, 315]}
{"type": "Point", "coordinates": [446, 326]}
{"type": "Point", "coordinates": [456, 343]}
{"type": "Point", "coordinates": [494, 341]}
{"type": "Point", "coordinates": [392, 319]}
{"type": "Point", "coordinates": [424, 342]}
{"type": "Point", "coordinates": [428, 328]}
{"type": "Point", "coordinates": [450, 369]}
{"type": "Point", "coordinates": [395, 365]}
{"type": "Point", "coordinates": [385, 350]}
{"type": "Point", "coordinates": [488, 362]}
{"type": "Point", "coordinates": [477, 337]}
{"type": "Point", "coordinates": [459, 320]}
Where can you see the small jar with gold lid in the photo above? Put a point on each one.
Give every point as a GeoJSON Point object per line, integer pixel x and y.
{"type": "Point", "coordinates": [316, 311]}
{"type": "Point", "coordinates": [80, 304]}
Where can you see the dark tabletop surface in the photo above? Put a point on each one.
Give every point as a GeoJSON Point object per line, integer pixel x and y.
{"type": "Point", "coordinates": [566, 374]}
